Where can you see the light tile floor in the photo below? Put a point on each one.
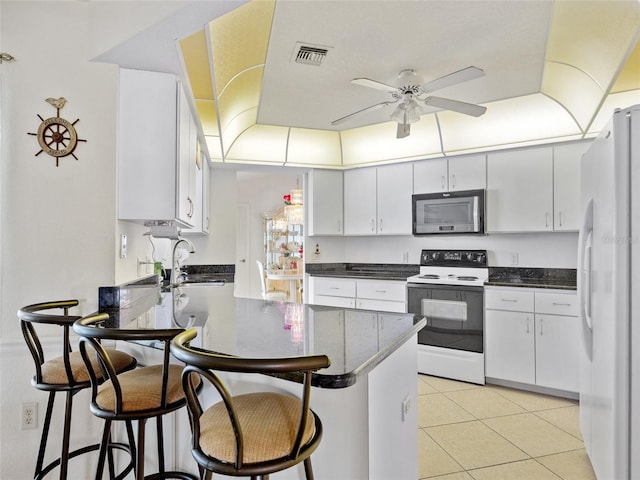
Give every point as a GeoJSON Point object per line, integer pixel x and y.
{"type": "Point", "coordinates": [474, 432]}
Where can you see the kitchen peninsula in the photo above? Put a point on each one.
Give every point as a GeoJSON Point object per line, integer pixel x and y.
{"type": "Point", "coordinates": [366, 399]}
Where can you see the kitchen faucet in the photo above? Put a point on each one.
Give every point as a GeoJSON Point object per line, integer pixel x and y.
{"type": "Point", "coordinates": [178, 276]}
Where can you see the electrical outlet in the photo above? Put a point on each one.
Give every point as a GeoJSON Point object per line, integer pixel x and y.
{"type": "Point", "coordinates": [514, 258]}
{"type": "Point", "coordinates": [29, 415]}
{"type": "Point", "coordinates": [405, 257]}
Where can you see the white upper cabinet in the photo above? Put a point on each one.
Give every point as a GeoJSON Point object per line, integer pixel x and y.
{"type": "Point", "coordinates": [325, 204]}
{"type": "Point", "coordinates": [187, 169]}
{"type": "Point", "coordinates": [377, 201]}
{"type": "Point", "coordinates": [360, 211]}
{"type": "Point", "coordinates": [156, 145]}
{"type": "Point", "coordinates": [520, 190]}
{"type": "Point", "coordinates": [467, 172]}
{"type": "Point", "coordinates": [566, 185]}
{"type": "Point", "coordinates": [394, 184]}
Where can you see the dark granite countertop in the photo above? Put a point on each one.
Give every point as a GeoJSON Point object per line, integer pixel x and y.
{"type": "Point", "coordinates": [553, 278]}
{"type": "Point", "coordinates": [259, 328]}
{"type": "Point", "coordinates": [382, 271]}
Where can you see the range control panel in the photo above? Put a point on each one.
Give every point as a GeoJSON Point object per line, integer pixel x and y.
{"type": "Point", "coordinates": [454, 258]}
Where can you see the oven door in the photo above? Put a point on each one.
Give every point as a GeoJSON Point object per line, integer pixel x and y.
{"type": "Point", "coordinates": [454, 314]}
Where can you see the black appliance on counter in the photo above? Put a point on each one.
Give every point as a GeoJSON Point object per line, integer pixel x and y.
{"type": "Point", "coordinates": [449, 292]}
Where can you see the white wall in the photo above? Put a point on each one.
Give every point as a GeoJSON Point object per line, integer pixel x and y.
{"type": "Point", "coordinates": [59, 224]}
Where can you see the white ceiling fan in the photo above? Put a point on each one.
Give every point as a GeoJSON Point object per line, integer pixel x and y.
{"type": "Point", "coordinates": [411, 91]}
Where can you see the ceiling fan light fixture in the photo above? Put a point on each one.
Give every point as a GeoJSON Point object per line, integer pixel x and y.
{"type": "Point", "coordinates": [407, 112]}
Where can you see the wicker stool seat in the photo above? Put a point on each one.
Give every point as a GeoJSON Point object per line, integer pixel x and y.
{"type": "Point", "coordinates": [253, 434]}
{"type": "Point", "coordinates": [147, 392]}
{"type": "Point", "coordinates": [65, 373]}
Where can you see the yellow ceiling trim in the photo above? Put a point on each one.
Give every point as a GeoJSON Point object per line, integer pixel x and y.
{"type": "Point", "coordinates": [239, 40]}
{"type": "Point", "coordinates": [196, 60]}
{"type": "Point", "coordinates": [629, 78]}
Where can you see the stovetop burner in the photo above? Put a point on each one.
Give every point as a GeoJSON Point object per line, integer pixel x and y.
{"type": "Point", "coordinates": [452, 267]}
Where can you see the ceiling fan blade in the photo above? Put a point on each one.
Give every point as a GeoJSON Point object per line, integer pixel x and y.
{"type": "Point", "coordinates": [455, 105]}
{"type": "Point", "coordinates": [366, 82]}
{"type": "Point", "coordinates": [377, 106]}
{"type": "Point", "coordinates": [404, 129]}
{"type": "Point", "coordinates": [460, 76]}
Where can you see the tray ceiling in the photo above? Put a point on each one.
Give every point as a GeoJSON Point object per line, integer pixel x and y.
{"type": "Point", "coordinates": [554, 71]}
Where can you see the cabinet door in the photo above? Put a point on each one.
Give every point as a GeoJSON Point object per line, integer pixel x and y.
{"type": "Point", "coordinates": [468, 172]}
{"type": "Point", "coordinates": [361, 337]}
{"type": "Point", "coordinates": [509, 341]}
{"type": "Point", "coordinates": [558, 352]}
{"type": "Point", "coordinates": [147, 146]}
{"type": "Point", "coordinates": [360, 201]}
{"type": "Point", "coordinates": [430, 176]}
{"type": "Point", "coordinates": [206, 194]}
{"type": "Point", "coordinates": [566, 185]}
{"type": "Point", "coordinates": [520, 190]}
{"type": "Point", "coordinates": [186, 161]}
{"type": "Point", "coordinates": [325, 204]}
{"type": "Point", "coordinates": [394, 185]}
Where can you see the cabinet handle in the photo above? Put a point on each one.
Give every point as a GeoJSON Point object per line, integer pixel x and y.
{"type": "Point", "coordinates": [380, 224]}
{"type": "Point", "coordinates": [373, 225]}
{"type": "Point", "coordinates": [339, 226]}
{"type": "Point", "coordinates": [561, 304]}
{"type": "Point", "coordinates": [443, 182]}
{"type": "Point", "coordinates": [560, 218]}
{"type": "Point", "coordinates": [381, 291]}
{"type": "Point", "coordinates": [528, 320]}
{"type": "Point", "coordinates": [546, 219]}
{"type": "Point", "coordinates": [190, 209]}
{"type": "Point", "coordinates": [453, 181]}
{"type": "Point", "coordinates": [509, 300]}
{"type": "Point", "coordinates": [541, 324]}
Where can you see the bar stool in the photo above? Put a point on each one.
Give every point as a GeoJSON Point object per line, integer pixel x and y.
{"type": "Point", "coordinates": [147, 392]}
{"type": "Point", "coordinates": [253, 434]}
{"type": "Point", "coordinates": [66, 373]}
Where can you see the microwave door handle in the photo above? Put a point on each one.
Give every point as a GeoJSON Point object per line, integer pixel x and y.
{"type": "Point", "coordinates": [476, 217]}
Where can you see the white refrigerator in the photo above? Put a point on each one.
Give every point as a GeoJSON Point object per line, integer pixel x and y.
{"type": "Point", "coordinates": [609, 291]}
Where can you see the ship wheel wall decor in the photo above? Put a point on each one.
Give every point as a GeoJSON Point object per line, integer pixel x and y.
{"type": "Point", "coordinates": [56, 136]}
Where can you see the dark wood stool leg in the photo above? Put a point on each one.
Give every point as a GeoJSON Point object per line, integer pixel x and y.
{"type": "Point", "coordinates": [104, 445]}
{"type": "Point", "coordinates": [45, 434]}
{"type": "Point", "coordinates": [308, 471]}
{"type": "Point", "coordinates": [140, 450]}
{"type": "Point", "coordinates": [64, 455]}
{"type": "Point", "coordinates": [160, 436]}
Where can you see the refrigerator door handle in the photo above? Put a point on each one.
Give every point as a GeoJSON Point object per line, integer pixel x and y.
{"type": "Point", "coordinates": [584, 278]}
{"type": "Point", "coordinates": [584, 264]}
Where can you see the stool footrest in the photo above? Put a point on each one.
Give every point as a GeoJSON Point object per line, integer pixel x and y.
{"type": "Point", "coordinates": [81, 451]}
{"type": "Point", "coordinates": [172, 475]}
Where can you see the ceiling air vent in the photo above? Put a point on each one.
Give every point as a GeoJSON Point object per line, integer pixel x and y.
{"type": "Point", "coordinates": [309, 54]}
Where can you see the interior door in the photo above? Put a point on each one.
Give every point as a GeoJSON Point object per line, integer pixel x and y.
{"type": "Point", "coordinates": [242, 280]}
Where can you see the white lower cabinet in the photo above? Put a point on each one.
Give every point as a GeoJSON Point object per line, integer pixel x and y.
{"type": "Point", "coordinates": [532, 337]}
{"type": "Point", "coordinates": [363, 294]}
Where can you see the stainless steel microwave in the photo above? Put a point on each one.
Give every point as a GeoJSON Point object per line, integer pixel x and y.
{"type": "Point", "coordinates": [448, 212]}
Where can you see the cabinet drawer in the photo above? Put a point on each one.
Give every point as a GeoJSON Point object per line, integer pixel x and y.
{"type": "Point", "coordinates": [332, 301]}
{"type": "Point", "coordinates": [512, 300]}
{"type": "Point", "coordinates": [382, 290]}
{"type": "Point", "coordinates": [337, 287]}
{"type": "Point", "coordinates": [381, 305]}
{"type": "Point", "coordinates": [557, 303]}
